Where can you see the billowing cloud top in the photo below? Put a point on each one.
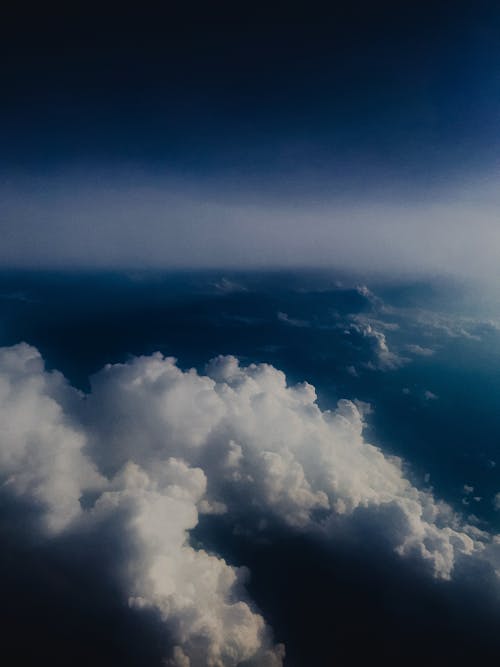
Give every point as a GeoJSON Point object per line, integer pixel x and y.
{"type": "Point", "coordinates": [152, 447]}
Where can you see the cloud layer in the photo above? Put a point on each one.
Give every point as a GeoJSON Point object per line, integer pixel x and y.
{"type": "Point", "coordinates": [152, 447]}
{"type": "Point", "coordinates": [73, 220]}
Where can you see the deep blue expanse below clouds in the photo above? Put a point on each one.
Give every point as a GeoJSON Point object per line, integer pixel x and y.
{"type": "Point", "coordinates": [424, 356]}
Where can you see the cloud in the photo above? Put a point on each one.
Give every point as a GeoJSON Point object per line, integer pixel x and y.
{"type": "Point", "coordinates": [226, 286]}
{"type": "Point", "coordinates": [152, 447]}
{"type": "Point", "coordinates": [195, 592]}
{"type": "Point", "coordinates": [419, 321]}
{"type": "Point", "coordinates": [381, 357]}
{"type": "Point", "coordinates": [42, 459]}
{"type": "Point", "coordinates": [293, 322]}
{"type": "Point", "coordinates": [41, 454]}
{"type": "Point", "coordinates": [71, 219]}
{"type": "Point", "coordinates": [419, 350]}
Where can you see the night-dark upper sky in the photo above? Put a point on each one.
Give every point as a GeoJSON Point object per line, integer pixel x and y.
{"type": "Point", "coordinates": [204, 86]}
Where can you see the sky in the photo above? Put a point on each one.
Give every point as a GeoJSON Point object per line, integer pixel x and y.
{"type": "Point", "coordinates": [202, 136]}
{"type": "Point", "coordinates": [249, 334]}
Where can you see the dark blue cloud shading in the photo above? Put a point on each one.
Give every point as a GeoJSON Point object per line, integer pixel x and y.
{"type": "Point", "coordinates": [355, 602]}
{"type": "Point", "coordinates": [62, 602]}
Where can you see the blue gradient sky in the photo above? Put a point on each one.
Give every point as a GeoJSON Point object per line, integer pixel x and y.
{"type": "Point", "coordinates": [216, 136]}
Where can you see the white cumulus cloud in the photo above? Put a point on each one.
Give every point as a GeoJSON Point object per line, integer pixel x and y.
{"type": "Point", "coordinates": [157, 446]}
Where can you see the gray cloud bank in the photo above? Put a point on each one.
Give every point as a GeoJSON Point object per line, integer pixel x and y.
{"type": "Point", "coordinates": [152, 448]}
{"type": "Point", "coordinates": [132, 221]}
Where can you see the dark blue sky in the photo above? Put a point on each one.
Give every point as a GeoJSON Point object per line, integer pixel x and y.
{"type": "Point", "coordinates": [389, 89]}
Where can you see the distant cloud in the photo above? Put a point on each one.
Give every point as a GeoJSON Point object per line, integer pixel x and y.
{"type": "Point", "coordinates": [418, 321]}
{"type": "Point", "coordinates": [227, 286]}
{"type": "Point", "coordinates": [292, 321]}
{"type": "Point", "coordinates": [419, 350]}
{"type": "Point", "coordinates": [381, 357]}
{"type": "Point", "coordinates": [440, 324]}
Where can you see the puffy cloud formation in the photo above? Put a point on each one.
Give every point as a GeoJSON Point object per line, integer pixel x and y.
{"type": "Point", "coordinates": [152, 446]}
{"type": "Point", "coordinates": [41, 446]}
{"type": "Point", "coordinates": [43, 460]}
{"type": "Point", "coordinates": [265, 443]}
{"type": "Point", "coordinates": [195, 593]}
{"type": "Point", "coordinates": [381, 357]}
